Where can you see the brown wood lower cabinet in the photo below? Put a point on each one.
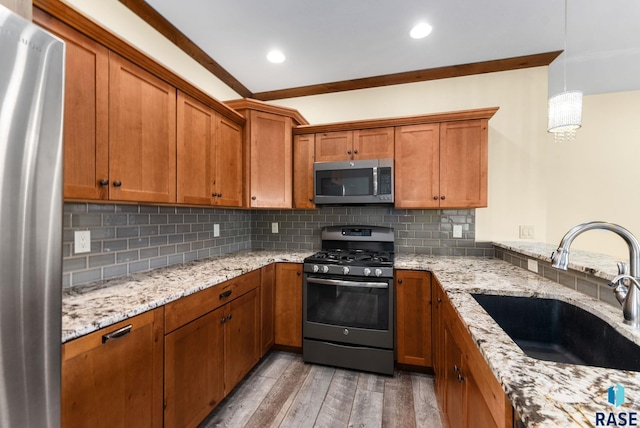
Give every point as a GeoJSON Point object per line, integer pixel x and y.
{"type": "Point", "coordinates": [267, 306]}
{"type": "Point", "coordinates": [468, 392]}
{"type": "Point", "coordinates": [413, 317]}
{"type": "Point", "coordinates": [113, 377]}
{"type": "Point", "coordinates": [288, 317]}
{"type": "Point", "coordinates": [212, 341]}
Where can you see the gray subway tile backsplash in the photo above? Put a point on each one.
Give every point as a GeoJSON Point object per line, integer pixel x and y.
{"type": "Point", "coordinates": [134, 238]}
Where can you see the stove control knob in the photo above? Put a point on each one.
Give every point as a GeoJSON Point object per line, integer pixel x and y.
{"type": "Point", "coordinates": [325, 269]}
{"type": "Point", "coordinates": [378, 272]}
{"type": "Point", "coordinates": [366, 271]}
{"type": "Point", "coordinates": [345, 270]}
{"type": "Point", "coordinates": [315, 268]}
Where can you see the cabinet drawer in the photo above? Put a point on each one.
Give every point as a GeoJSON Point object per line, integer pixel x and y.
{"type": "Point", "coordinates": [186, 309]}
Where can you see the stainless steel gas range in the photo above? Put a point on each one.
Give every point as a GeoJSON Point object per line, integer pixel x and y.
{"type": "Point", "coordinates": [348, 299]}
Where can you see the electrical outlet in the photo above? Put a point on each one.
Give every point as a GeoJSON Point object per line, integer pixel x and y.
{"type": "Point", "coordinates": [527, 232]}
{"type": "Point", "coordinates": [457, 231]}
{"type": "Point", "coordinates": [532, 265]}
{"type": "Point", "coordinates": [82, 241]}
{"type": "Point", "coordinates": [216, 230]}
{"type": "Point", "coordinates": [274, 227]}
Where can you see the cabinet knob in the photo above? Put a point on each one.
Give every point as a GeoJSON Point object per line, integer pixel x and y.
{"type": "Point", "coordinates": [442, 197]}
{"type": "Point", "coordinates": [310, 199]}
{"type": "Point", "coordinates": [229, 317]}
{"type": "Point", "coordinates": [253, 198]}
{"type": "Point", "coordinates": [435, 198]}
{"type": "Point", "coordinates": [298, 273]}
{"type": "Point", "coordinates": [117, 183]}
{"type": "Point", "coordinates": [348, 152]}
{"type": "Point", "coordinates": [223, 320]}
{"type": "Point", "coordinates": [399, 281]}
{"type": "Point", "coordinates": [214, 195]}
{"type": "Point", "coordinates": [460, 378]}
{"type": "Point", "coordinates": [355, 152]}
{"type": "Point", "coordinates": [219, 195]}
{"type": "Point", "coordinates": [104, 182]}
{"type": "Point", "coordinates": [456, 368]}
{"type": "Point", "coordinates": [439, 300]}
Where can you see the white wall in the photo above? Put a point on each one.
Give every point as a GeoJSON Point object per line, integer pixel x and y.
{"type": "Point", "coordinates": [117, 18]}
{"type": "Point", "coordinates": [532, 180]}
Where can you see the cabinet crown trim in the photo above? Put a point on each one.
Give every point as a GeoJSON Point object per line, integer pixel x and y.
{"type": "Point", "coordinates": [483, 113]}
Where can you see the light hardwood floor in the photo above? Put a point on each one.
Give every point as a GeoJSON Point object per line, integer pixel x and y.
{"type": "Point", "coordinates": [283, 391]}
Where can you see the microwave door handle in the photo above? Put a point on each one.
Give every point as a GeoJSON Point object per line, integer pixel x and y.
{"type": "Point", "coordinates": [375, 181]}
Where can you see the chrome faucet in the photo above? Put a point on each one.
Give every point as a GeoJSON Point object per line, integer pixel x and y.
{"type": "Point", "coordinates": [627, 285]}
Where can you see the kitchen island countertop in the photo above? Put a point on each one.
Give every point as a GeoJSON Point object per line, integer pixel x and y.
{"type": "Point", "coordinates": [545, 394]}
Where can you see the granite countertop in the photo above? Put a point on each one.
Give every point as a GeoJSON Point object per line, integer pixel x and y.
{"type": "Point", "coordinates": [545, 394]}
{"type": "Point", "coordinates": [92, 307]}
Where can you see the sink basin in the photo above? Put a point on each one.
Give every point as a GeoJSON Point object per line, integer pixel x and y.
{"type": "Point", "coordinates": [553, 330]}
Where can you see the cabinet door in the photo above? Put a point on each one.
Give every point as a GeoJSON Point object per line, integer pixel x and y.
{"type": "Point", "coordinates": [417, 166]}
{"type": "Point", "coordinates": [267, 306]}
{"type": "Point", "coordinates": [334, 146]}
{"type": "Point", "coordinates": [303, 157]}
{"type": "Point", "coordinates": [373, 143]}
{"type": "Point", "coordinates": [196, 151]}
{"type": "Point", "coordinates": [463, 164]}
{"type": "Point", "coordinates": [142, 134]}
{"type": "Point", "coordinates": [271, 159]}
{"type": "Point", "coordinates": [478, 412]}
{"type": "Point", "coordinates": [228, 178]}
{"type": "Point", "coordinates": [288, 325]}
{"type": "Point", "coordinates": [438, 339]}
{"type": "Point", "coordinates": [241, 337]}
{"type": "Point", "coordinates": [86, 98]}
{"type": "Point", "coordinates": [115, 382]}
{"type": "Point", "coordinates": [455, 403]}
{"type": "Point", "coordinates": [413, 317]}
{"type": "Point", "coordinates": [194, 370]}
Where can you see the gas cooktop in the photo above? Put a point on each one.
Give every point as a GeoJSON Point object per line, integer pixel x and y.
{"type": "Point", "coordinates": [352, 257]}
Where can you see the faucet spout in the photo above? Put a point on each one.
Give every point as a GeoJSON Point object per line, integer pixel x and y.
{"type": "Point", "coordinates": [631, 301]}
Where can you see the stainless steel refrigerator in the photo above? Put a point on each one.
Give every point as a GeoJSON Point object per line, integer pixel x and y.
{"type": "Point", "coordinates": [31, 103]}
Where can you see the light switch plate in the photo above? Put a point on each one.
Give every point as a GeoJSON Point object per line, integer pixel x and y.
{"type": "Point", "coordinates": [274, 227]}
{"type": "Point", "coordinates": [82, 241]}
{"type": "Point", "coordinates": [532, 265]}
{"type": "Point", "coordinates": [457, 231]}
{"type": "Point", "coordinates": [216, 230]}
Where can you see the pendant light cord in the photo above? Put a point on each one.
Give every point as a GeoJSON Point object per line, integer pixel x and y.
{"type": "Point", "coordinates": [565, 46]}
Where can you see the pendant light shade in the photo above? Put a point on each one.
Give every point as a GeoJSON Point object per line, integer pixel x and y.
{"type": "Point", "coordinates": [565, 115]}
{"type": "Point", "coordinates": [565, 108]}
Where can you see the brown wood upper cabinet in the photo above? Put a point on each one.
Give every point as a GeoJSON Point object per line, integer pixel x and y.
{"type": "Point", "coordinates": [142, 134]}
{"type": "Point", "coordinates": [209, 156]}
{"type": "Point", "coordinates": [441, 165]}
{"type": "Point", "coordinates": [86, 112]}
{"type": "Point", "coordinates": [358, 144]}
{"type": "Point", "coordinates": [113, 377]}
{"type": "Point", "coordinates": [267, 153]}
{"type": "Point", "coordinates": [303, 158]}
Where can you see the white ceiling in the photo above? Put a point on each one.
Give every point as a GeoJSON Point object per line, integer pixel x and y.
{"type": "Point", "coordinates": [336, 40]}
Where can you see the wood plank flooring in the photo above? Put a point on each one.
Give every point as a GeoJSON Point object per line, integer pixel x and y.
{"type": "Point", "coordinates": [283, 391]}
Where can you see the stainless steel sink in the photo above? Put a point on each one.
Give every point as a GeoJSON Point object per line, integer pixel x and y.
{"type": "Point", "coordinates": [553, 330]}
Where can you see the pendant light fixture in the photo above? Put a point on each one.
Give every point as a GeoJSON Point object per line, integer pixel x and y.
{"type": "Point", "coordinates": [565, 108]}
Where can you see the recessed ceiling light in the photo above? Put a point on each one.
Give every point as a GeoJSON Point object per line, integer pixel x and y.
{"type": "Point", "coordinates": [421, 31]}
{"type": "Point", "coordinates": [275, 56]}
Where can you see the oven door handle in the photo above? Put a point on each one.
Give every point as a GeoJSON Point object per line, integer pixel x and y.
{"type": "Point", "coordinates": [342, 283]}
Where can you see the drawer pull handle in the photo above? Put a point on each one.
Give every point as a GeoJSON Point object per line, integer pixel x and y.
{"type": "Point", "coordinates": [117, 334]}
{"type": "Point", "coordinates": [225, 294]}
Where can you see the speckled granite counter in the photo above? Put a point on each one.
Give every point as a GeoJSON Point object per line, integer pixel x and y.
{"type": "Point", "coordinates": [545, 394]}
{"type": "Point", "coordinates": [92, 307]}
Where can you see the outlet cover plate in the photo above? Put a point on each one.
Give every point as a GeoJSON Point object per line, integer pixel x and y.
{"type": "Point", "coordinates": [82, 241]}
{"type": "Point", "coordinates": [457, 231]}
{"type": "Point", "coordinates": [274, 227]}
{"type": "Point", "coordinates": [216, 230]}
{"type": "Point", "coordinates": [532, 265]}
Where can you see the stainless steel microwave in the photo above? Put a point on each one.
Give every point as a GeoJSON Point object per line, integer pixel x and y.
{"type": "Point", "coordinates": [353, 182]}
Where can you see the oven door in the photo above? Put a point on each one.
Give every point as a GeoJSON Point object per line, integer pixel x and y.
{"type": "Point", "coordinates": [349, 310]}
